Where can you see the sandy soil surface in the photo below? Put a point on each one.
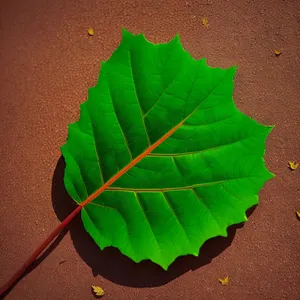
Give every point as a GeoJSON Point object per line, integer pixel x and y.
{"type": "Point", "coordinates": [47, 64]}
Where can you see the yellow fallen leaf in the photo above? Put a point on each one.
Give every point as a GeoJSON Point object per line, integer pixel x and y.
{"type": "Point", "coordinates": [91, 31]}
{"type": "Point", "coordinates": [298, 214]}
{"type": "Point", "coordinates": [98, 290]}
{"type": "Point", "coordinates": [277, 52]}
{"type": "Point", "coordinates": [292, 165]}
{"type": "Point", "coordinates": [224, 281]}
{"type": "Point", "coordinates": [205, 22]}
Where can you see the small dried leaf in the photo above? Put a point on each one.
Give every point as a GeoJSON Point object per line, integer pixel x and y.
{"type": "Point", "coordinates": [292, 165]}
{"type": "Point", "coordinates": [91, 31]}
{"type": "Point", "coordinates": [205, 22]}
{"type": "Point", "coordinates": [298, 214]}
{"type": "Point", "coordinates": [224, 281]}
{"type": "Point", "coordinates": [98, 290]}
{"type": "Point", "coordinates": [277, 52]}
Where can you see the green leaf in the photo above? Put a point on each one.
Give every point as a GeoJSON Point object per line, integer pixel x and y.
{"type": "Point", "coordinates": [191, 163]}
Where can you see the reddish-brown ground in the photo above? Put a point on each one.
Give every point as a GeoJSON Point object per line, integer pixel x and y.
{"type": "Point", "coordinates": [47, 64]}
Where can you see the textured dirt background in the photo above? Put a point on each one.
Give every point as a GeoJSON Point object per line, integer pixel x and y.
{"type": "Point", "coordinates": [47, 64]}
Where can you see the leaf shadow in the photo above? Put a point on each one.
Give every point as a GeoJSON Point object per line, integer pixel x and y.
{"type": "Point", "coordinates": [114, 266]}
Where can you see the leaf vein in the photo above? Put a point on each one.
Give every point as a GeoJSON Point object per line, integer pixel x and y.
{"type": "Point", "coordinates": [206, 207]}
{"type": "Point", "coordinates": [137, 95]}
{"type": "Point", "coordinates": [176, 216]}
{"type": "Point", "coordinates": [162, 94]}
{"type": "Point", "coordinates": [147, 219]}
{"type": "Point", "coordinates": [204, 150]}
{"type": "Point", "coordinates": [97, 152]}
{"type": "Point", "coordinates": [120, 124]}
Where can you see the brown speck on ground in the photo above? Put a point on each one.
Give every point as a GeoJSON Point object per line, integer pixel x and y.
{"type": "Point", "coordinates": [48, 62]}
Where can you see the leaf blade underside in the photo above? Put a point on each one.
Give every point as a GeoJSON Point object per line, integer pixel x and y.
{"type": "Point", "coordinates": [205, 170]}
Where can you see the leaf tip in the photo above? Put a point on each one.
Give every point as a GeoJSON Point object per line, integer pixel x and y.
{"type": "Point", "coordinates": [272, 175]}
{"type": "Point", "coordinates": [165, 267]}
{"type": "Point", "coordinates": [235, 68]}
{"type": "Point", "coordinates": [177, 37]}
{"type": "Point", "coordinates": [204, 60]}
{"type": "Point", "coordinates": [126, 33]}
{"type": "Point", "coordinates": [271, 127]}
{"type": "Point", "coordinates": [232, 70]}
{"type": "Point", "coordinates": [124, 30]}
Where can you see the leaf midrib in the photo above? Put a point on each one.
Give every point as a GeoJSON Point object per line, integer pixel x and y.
{"type": "Point", "coordinates": [106, 185]}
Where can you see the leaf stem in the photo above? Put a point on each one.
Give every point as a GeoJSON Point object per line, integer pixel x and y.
{"type": "Point", "coordinates": [39, 250]}
{"type": "Point", "coordinates": [89, 199]}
